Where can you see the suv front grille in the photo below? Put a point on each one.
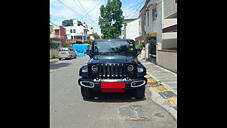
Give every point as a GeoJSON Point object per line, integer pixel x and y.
{"type": "Point", "coordinates": [112, 70]}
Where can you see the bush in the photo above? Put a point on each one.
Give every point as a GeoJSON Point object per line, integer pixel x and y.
{"type": "Point", "coordinates": [53, 45]}
{"type": "Point", "coordinates": [67, 45]}
{"type": "Point", "coordinates": [140, 46]}
{"type": "Point", "coordinates": [149, 39]}
{"type": "Point", "coordinates": [88, 42]}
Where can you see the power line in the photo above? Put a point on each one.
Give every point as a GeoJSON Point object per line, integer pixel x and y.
{"type": "Point", "coordinates": [82, 8]}
{"type": "Point", "coordinates": [67, 6]}
{"type": "Point", "coordinates": [138, 7]}
{"type": "Point", "coordinates": [93, 8]}
{"type": "Point", "coordinates": [139, 4]}
{"type": "Point", "coordinates": [87, 13]}
{"type": "Point", "coordinates": [73, 10]}
{"type": "Point", "coordinates": [53, 23]}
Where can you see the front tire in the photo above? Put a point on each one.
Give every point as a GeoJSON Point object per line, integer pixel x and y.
{"type": "Point", "coordinates": [140, 92]}
{"type": "Point", "coordinates": [86, 93]}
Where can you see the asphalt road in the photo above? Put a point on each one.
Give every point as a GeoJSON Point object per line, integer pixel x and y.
{"type": "Point", "coordinates": [69, 110]}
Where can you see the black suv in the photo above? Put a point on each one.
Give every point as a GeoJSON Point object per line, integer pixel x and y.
{"type": "Point", "coordinates": [113, 68]}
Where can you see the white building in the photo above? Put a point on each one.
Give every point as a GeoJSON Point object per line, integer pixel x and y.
{"type": "Point", "coordinates": [130, 29]}
{"type": "Point", "coordinates": [90, 33]}
{"type": "Point", "coordinates": [158, 19]}
{"type": "Point", "coordinates": [169, 40]}
{"type": "Point", "coordinates": [153, 19]}
{"type": "Point", "coordinates": [167, 52]}
{"type": "Point", "coordinates": [77, 32]}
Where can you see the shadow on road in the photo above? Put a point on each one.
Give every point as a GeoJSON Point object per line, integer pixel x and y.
{"type": "Point", "coordinates": [114, 98]}
{"type": "Point", "coordinates": [58, 65]}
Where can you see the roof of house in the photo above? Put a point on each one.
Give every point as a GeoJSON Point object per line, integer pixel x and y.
{"type": "Point", "coordinates": [147, 1]}
{"type": "Point", "coordinates": [100, 40]}
{"type": "Point", "coordinates": [129, 20]}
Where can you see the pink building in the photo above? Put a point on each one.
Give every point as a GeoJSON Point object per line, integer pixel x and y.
{"type": "Point", "coordinates": [58, 34]}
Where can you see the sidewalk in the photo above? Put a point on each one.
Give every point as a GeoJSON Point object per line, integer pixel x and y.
{"type": "Point", "coordinates": [162, 75]}
{"type": "Point", "coordinates": [53, 60]}
{"type": "Point", "coordinates": [162, 84]}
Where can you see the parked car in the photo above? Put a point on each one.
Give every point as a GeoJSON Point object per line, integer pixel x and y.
{"type": "Point", "coordinates": [66, 53]}
{"type": "Point", "coordinates": [113, 68]}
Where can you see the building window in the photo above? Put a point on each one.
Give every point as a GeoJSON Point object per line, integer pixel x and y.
{"type": "Point", "coordinates": [74, 37]}
{"type": "Point", "coordinates": [71, 37]}
{"type": "Point", "coordinates": [154, 14]}
{"type": "Point", "coordinates": [74, 30]}
{"type": "Point", "coordinates": [148, 17]}
{"type": "Point", "coordinates": [71, 31]}
{"type": "Point", "coordinates": [56, 32]}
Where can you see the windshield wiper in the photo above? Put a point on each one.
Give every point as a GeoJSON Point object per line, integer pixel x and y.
{"type": "Point", "coordinates": [104, 53]}
{"type": "Point", "coordinates": [125, 52]}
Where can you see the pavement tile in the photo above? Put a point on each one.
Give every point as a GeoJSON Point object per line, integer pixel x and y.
{"type": "Point", "coordinates": [161, 89]}
{"type": "Point", "coordinates": [167, 94]}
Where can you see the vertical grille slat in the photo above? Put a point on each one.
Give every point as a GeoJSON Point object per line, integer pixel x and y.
{"type": "Point", "coordinates": [111, 70]}
{"type": "Point", "coordinates": [108, 70]}
{"type": "Point", "coordinates": [116, 70]}
{"type": "Point", "coordinates": [123, 72]}
{"type": "Point", "coordinates": [120, 70]}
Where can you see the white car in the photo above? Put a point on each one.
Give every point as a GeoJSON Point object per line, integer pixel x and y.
{"type": "Point", "coordinates": [66, 53]}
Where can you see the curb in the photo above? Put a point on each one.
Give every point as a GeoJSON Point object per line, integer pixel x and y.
{"type": "Point", "coordinates": [53, 60]}
{"type": "Point", "coordinates": [162, 95]}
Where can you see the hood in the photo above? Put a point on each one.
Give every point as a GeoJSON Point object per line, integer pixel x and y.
{"type": "Point", "coordinates": [112, 59]}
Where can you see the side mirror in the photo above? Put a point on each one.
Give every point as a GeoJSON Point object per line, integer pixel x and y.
{"type": "Point", "coordinates": [138, 51]}
{"type": "Point", "coordinates": [89, 53]}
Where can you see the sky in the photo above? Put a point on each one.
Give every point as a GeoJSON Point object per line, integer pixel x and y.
{"type": "Point", "coordinates": [88, 11]}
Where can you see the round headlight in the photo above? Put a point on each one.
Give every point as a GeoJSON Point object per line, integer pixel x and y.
{"type": "Point", "coordinates": [130, 68]}
{"type": "Point", "coordinates": [140, 69]}
{"type": "Point", "coordinates": [94, 68]}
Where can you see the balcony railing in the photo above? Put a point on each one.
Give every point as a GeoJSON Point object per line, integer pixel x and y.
{"type": "Point", "coordinates": [58, 36]}
{"type": "Point", "coordinates": [169, 35]}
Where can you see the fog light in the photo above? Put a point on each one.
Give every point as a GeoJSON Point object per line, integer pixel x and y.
{"type": "Point", "coordinates": [134, 84]}
{"type": "Point", "coordinates": [87, 84]}
{"type": "Point", "coordinates": [138, 83]}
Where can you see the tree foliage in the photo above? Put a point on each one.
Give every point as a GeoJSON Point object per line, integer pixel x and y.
{"type": "Point", "coordinates": [53, 44]}
{"type": "Point", "coordinates": [67, 45]}
{"type": "Point", "coordinates": [67, 22]}
{"type": "Point", "coordinates": [111, 19]}
{"type": "Point", "coordinates": [96, 36]}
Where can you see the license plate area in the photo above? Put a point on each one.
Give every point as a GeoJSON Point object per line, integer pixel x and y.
{"type": "Point", "coordinates": [112, 87]}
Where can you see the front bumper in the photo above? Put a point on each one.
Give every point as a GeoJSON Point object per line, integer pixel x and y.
{"type": "Point", "coordinates": [96, 84]}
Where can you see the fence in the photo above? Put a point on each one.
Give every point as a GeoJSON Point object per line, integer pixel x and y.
{"type": "Point", "coordinates": [167, 59]}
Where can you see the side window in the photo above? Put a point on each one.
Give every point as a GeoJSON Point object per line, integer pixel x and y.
{"type": "Point", "coordinates": [154, 14]}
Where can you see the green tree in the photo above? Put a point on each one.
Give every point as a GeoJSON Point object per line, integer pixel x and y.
{"type": "Point", "coordinates": [51, 28]}
{"type": "Point", "coordinates": [53, 44]}
{"type": "Point", "coordinates": [67, 45]}
{"type": "Point", "coordinates": [111, 19]}
{"type": "Point", "coordinates": [96, 36]}
{"type": "Point", "coordinates": [67, 22]}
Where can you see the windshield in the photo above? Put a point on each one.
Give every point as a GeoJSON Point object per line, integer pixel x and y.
{"type": "Point", "coordinates": [113, 47]}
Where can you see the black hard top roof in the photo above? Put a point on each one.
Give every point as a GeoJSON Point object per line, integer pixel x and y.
{"type": "Point", "coordinates": [100, 40]}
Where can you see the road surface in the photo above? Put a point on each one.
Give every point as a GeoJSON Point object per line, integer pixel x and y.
{"type": "Point", "coordinates": [69, 110]}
